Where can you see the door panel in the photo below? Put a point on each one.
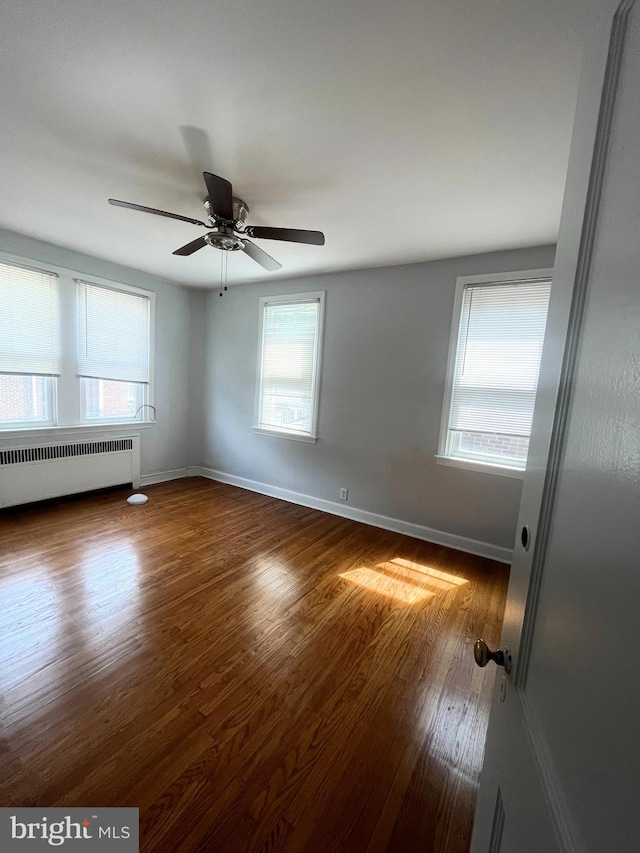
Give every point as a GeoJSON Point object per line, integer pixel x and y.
{"type": "Point", "coordinates": [518, 783]}
{"type": "Point", "coordinates": [563, 748]}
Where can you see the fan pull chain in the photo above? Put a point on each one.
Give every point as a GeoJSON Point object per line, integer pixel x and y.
{"type": "Point", "coordinates": [223, 272]}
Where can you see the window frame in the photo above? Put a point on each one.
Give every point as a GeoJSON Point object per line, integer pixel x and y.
{"type": "Point", "coordinates": [66, 394]}
{"type": "Point", "coordinates": [291, 299]}
{"type": "Point", "coordinates": [442, 458]}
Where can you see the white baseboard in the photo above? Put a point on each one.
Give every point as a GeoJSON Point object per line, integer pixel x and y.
{"type": "Point", "coordinates": [165, 476]}
{"type": "Point", "coordinates": [418, 531]}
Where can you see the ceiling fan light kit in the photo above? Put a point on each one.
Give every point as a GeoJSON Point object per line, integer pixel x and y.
{"type": "Point", "coordinates": [226, 215]}
{"type": "Point", "coordinates": [224, 239]}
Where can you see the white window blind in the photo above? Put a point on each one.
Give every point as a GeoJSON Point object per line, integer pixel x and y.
{"type": "Point", "coordinates": [289, 366]}
{"type": "Point", "coordinates": [113, 334]}
{"type": "Point", "coordinates": [29, 321]}
{"type": "Point", "coordinates": [496, 369]}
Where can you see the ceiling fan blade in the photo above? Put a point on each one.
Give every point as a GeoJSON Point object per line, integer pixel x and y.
{"type": "Point", "coordinates": [261, 257]}
{"type": "Point", "coordinates": [220, 195]}
{"type": "Point", "coordinates": [292, 235]}
{"type": "Point", "coordinates": [192, 247]}
{"type": "Point", "coordinates": [166, 213]}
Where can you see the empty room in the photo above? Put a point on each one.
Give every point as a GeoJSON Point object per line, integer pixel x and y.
{"type": "Point", "coordinates": [318, 426]}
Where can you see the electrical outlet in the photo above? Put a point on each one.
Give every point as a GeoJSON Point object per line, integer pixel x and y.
{"type": "Point", "coordinates": [344, 494]}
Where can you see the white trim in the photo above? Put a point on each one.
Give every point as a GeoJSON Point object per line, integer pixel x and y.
{"type": "Point", "coordinates": [483, 467]}
{"type": "Point", "coordinates": [172, 474]}
{"type": "Point", "coordinates": [542, 274]}
{"type": "Point", "coordinates": [165, 476]}
{"type": "Point", "coordinates": [276, 433]}
{"type": "Point", "coordinates": [294, 299]}
{"type": "Point", "coordinates": [60, 431]}
{"type": "Point", "coordinates": [96, 281]}
{"type": "Point", "coordinates": [503, 277]}
{"type": "Point", "coordinates": [4, 260]}
{"type": "Point", "coordinates": [407, 528]}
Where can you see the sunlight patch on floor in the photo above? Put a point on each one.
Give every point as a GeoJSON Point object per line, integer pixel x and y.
{"type": "Point", "coordinates": [385, 585]}
{"type": "Point", "coordinates": [404, 580]}
{"type": "Point", "coordinates": [432, 573]}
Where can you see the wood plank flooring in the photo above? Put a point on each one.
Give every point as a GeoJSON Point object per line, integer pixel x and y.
{"type": "Point", "coordinates": [253, 675]}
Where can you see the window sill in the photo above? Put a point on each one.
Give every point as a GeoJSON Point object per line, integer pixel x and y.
{"type": "Point", "coordinates": [310, 439]}
{"type": "Point", "coordinates": [72, 429]}
{"type": "Point", "coordinates": [482, 467]}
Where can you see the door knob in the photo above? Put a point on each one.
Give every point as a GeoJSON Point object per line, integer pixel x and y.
{"type": "Point", "coordinates": [483, 654]}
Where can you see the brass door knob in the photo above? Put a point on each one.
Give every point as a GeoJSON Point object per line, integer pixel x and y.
{"type": "Point", "coordinates": [483, 654]}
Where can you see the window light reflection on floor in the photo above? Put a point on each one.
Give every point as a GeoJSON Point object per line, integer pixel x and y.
{"type": "Point", "coordinates": [404, 580]}
{"type": "Point", "coordinates": [432, 573]}
{"type": "Point", "coordinates": [385, 585]}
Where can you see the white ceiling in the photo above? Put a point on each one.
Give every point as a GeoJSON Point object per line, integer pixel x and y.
{"type": "Point", "coordinates": [406, 131]}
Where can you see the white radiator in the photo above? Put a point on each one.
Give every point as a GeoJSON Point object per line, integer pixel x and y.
{"type": "Point", "coordinates": [36, 473]}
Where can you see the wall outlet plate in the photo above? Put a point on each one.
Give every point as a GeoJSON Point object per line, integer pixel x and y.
{"type": "Point", "coordinates": [344, 494]}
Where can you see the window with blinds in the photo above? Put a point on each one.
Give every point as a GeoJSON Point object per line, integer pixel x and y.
{"type": "Point", "coordinates": [114, 346]}
{"type": "Point", "coordinates": [289, 364]}
{"type": "Point", "coordinates": [495, 373]}
{"type": "Point", "coordinates": [72, 351]}
{"type": "Point", "coordinates": [30, 348]}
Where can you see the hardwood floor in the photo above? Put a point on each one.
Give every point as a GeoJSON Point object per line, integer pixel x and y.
{"type": "Point", "coordinates": [251, 674]}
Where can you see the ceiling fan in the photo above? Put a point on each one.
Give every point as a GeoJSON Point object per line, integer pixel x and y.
{"type": "Point", "coordinates": [226, 215]}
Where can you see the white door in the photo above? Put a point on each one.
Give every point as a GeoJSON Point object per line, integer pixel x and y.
{"type": "Point", "coordinates": [562, 762]}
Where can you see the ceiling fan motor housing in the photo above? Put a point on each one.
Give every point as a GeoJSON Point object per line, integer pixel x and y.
{"type": "Point", "coordinates": [240, 210]}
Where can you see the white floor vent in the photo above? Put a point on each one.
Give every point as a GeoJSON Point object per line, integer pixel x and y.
{"type": "Point", "coordinates": [36, 473]}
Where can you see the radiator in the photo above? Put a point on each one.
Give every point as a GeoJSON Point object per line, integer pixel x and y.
{"type": "Point", "coordinates": [35, 473]}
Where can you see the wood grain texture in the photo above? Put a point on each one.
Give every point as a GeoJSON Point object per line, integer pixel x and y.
{"type": "Point", "coordinates": [253, 675]}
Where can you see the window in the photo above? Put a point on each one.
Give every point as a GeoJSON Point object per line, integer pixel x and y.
{"type": "Point", "coordinates": [113, 352]}
{"type": "Point", "coordinates": [497, 340]}
{"type": "Point", "coordinates": [26, 400]}
{"type": "Point", "coordinates": [112, 401]}
{"type": "Point", "coordinates": [72, 352]}
{"type": "Point", "coordinates": [289, 365]}
{"type": "Point", "coordinates": [30, 351]}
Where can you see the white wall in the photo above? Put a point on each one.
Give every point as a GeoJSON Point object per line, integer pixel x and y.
{"type": "Point", "coordinates": [174, 441]}
{"type": "Point", "coordinates": [197, 332]}
{"type": "Point", "coordinates": [383, 373]}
